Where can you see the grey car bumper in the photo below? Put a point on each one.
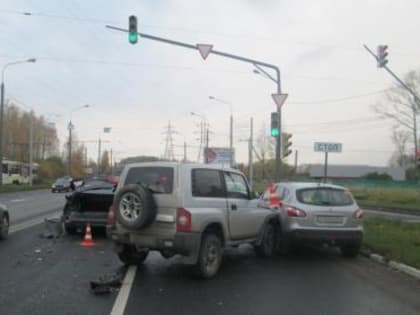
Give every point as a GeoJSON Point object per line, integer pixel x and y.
{"type": "Point", "coordinates": [331, 236]}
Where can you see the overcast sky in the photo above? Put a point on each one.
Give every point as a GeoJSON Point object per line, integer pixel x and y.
{"type": "Point", "coordinates": [137, 89]}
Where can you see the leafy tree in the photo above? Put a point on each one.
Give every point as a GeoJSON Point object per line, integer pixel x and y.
{"type": "Point", "coordinates": [51, 168]}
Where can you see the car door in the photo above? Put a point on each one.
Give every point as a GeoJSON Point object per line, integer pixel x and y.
{"type": "Point", "coordinates": [245, 218]}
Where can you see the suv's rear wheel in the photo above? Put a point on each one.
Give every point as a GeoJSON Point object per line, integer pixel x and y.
{"type": "Point", "coordinates": [350, 250]}
{"type": "Point", "coordinates": [210, 256]}
{"type": "Point", "coordinates": [4, 228]}
{"type": "Point", "coordinates": [129, 255]}
{"type": "Point", "coordinates": [135, 207]}
{"type": "Point", "coordinates": [268, 243]}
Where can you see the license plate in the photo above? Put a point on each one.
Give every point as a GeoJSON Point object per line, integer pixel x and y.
{"type": "Point", "coordinates": [330, 219]}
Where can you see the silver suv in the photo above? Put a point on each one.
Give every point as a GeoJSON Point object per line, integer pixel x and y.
{"type": "Point", "coordinates": [188, 209]}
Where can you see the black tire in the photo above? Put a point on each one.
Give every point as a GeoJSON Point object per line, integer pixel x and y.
{"type": "Point", "coordinates": [4, 227]}
{"type": "Point", "coordinates": [70, 229]}
{"type": "Point", "coordinates": [131, 256]}
{"type": "Point", "coordinates": [268, 243]}
{"type": "Point", "coordinates": [350, 250]}
{"type": "Point", "coordinates": [135, 207]}
{"type": "Point", "coordinates": [210, 256]}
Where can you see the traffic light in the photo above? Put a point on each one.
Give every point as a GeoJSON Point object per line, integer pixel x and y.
{"type": "Point", "coordinates": [275, 125]}
{"type": "Point", "coordinates": [381, 55]}
{"type": "Point", "coordinates": [132, 29]}
{"type": "Point", "coordinates": [286, 144]}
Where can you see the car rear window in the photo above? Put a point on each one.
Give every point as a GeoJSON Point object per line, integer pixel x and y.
{"type": "Point", "coordinates": [324, 196]}
{"type": "Point", "coordinates": [158, 179]}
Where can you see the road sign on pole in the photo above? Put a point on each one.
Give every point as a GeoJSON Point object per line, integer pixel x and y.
{"type": "Point", "coordinates": [204, 50]}
{"type": "Point", "coordinates": [279, 99]}
{"type": "Point", "coordinates": [327, 147]}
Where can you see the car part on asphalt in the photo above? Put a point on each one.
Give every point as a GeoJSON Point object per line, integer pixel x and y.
{"type": "Point", "coordinates": [53, 228]}
{"type": "Point", "coordinates": [135, 207]}
{"type": "Point", "coordinates": [105, 283]}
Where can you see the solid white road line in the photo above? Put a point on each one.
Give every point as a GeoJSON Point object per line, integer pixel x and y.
{"type": "Point", "coordinates": [30, 223]}
{"type": "Point", "coordinates": [122, 298]}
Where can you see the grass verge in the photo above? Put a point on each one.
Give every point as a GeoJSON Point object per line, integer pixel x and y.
{"type": "Point", "coordinates": [404, 199]}
{"type": "Point", "coordinates": [394, 240]}
{"type": "Point", "coordinates": [23, 187]}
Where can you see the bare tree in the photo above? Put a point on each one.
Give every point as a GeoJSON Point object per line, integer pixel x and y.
{"type": "Point", "coordinates": [400, 106]}
{"type": "Point", "coordinates": [264, 148]}
{"type": "Point", "coordinates": [400, 158]}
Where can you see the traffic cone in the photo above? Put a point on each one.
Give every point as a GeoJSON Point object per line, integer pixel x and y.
{"type": "Point", "coordinates": [87, 241]}
{"type": "Point", "coordinates": [274, 197]}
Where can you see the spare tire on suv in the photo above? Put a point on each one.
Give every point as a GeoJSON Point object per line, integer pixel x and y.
{"type": "Point", "coordinates": [135, 207]}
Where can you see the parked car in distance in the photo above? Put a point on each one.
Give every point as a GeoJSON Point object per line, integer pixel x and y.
{"type": "Point", "coordinates": [61, 184]}
{"type": "Point", "coordinates": [4, 222]}
{"type": "Point", "coordinates": [318, 213]}
{"type": "Point", "coordinates": [88, 203]}
{"type": "Point", "coordinates": [190, 210]}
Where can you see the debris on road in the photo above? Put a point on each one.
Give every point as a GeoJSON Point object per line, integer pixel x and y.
{"type": "Point", "coordinates": [53, 228]}
{"type": "Point", "coordinates": [37, 251]}
{"type": "Point", "coordinates": [106, 283]}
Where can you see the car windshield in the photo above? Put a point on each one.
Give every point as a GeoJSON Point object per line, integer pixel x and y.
{"type": "Point", "coordinates": [157, 179]}
{"type": "Point", "coordinates": [324, 196]}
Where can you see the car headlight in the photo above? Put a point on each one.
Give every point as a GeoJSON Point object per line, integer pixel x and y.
{"type": "Point", "coordinates": [53, 186]}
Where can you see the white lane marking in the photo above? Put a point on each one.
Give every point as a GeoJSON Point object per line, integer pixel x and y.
{"type": "Point", "coordinates": [17, 200]}
{"type": "Point", "coordinates": [30, 223]}
{"type": "Point", "coordinates": [122, 298]}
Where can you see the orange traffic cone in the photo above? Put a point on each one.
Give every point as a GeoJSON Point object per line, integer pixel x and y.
{"type": "Point", "coordinates": [274, 197]}
{"type": "Point", "coordinates": [87, 241]}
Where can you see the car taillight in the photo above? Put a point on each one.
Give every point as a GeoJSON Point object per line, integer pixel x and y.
{"type": "Point", "coordinates": [111, 216]}
{"type": "Point", "coordinates": [294, 212]}
{"type": "Point", "coordinates": [358, 214]}
{"type": "Point", "coordinates": [183, 220]}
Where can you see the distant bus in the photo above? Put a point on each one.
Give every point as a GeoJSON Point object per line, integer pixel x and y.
{"type": "Point", "coordinates": [15, 172]}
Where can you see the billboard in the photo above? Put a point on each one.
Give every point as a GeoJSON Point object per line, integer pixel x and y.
{"type": "Point", "coordinates": [221, 156]}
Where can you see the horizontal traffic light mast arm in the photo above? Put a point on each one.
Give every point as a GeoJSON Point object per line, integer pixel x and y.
{"type": "Point", "coordinates": [215, 52]}
{"type": "Point", "coordinates": [417, 99]}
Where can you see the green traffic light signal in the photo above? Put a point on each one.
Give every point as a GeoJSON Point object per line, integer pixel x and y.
{"type": "Point", "coordinates": [275, 128]}
{"type": "Point", "coordinates": [275, 132]}
{"type": "Point", "coordinates": [132, 29]}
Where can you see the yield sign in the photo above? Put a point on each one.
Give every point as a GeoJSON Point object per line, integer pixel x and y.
{"type": "Point", "coordinates": [279, 99]}
{"type": "Point", "coordinates": [204, 50]}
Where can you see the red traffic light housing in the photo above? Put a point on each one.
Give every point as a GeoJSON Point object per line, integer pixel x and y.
{"type": "Point", "coordinates": [382, 55]}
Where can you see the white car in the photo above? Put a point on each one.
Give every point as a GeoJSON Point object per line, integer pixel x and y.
{"type": "Point", "coordinates": [318, 213]}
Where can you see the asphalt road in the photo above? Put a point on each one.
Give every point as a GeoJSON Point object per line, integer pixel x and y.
{"type": "Point", "coordinates": [44, 276]}
{"type": "Point", "coordinates": [31, 206]}
{"type": "Point", "coordinates": [392, 215]}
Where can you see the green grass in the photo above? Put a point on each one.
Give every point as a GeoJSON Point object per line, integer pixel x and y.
{"type": "Point", "coordinates": [395, 240]}
{"type": "Point", "coordinates": [23, 187]}
{"type": "Point", "coordinates": [404, 199]}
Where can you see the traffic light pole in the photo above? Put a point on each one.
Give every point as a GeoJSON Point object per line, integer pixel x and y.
{"type": "Point", "coordinates": [416, 101]}
{"type": "Point", "coordinates": [254, 62]}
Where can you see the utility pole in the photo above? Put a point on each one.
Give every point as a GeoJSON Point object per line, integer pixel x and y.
{"type": "Point", "coordinates": [250, 149]}
{"type": "Point", "coordinates": [70, 127]}
{"type": "Point", "coordinates": [296, 161]}
{"type": "Point", "coordinates": [169, 143]}
{"type": "Point", "coordinates": [110, 159]}
{"type": "Point", "coordinates": [31, 148]}
{"type": "Point", "coordinates": [185, 151]}
{"type": "Point", "coordinates": [99, 155]}
{"type": "Point", "coordinates": [207, 145]}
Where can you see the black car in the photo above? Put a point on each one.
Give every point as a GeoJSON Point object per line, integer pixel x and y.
{"type": "Point", "coordinates": [4, 222]}
{"type": "Point", "coordinates": [88, 203]}
{"type": "Point", "coordinates": [61, 184]}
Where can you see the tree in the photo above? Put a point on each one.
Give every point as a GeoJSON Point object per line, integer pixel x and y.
{"type": "Point", "coordinates": [377, 176]}
{"type": "Point", "coordinates": [52, 167]}
{"type": "Point", "coordinates": [264, 149]}
{"type": "Point", "coordinates": [400, 158]}
{"type": "Point", "coordinates": [401, 107]}
{"type": "Point", "coordinates": [104, 166]}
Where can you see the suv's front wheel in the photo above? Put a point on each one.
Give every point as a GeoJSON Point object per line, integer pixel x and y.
{"type": "Point", "coordinates": [129, 255]}
{"type": "Point", "coordinates": [210, 256]}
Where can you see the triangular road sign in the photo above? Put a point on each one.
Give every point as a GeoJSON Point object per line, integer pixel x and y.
{"type": "Point", "coordinates": [204, 50]}
{"type": "Point", "coordinates": [279, 99]}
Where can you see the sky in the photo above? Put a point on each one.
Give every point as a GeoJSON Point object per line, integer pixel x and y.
{"type": "Point", "coordinates": [137, 90]}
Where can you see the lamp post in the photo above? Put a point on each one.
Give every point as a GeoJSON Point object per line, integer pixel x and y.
{"type": "Point", "coordinates": [105, 130]}
{"type": "Point", "coordinates": [70, 127]}
{"type": "Point", "coordinates": [2, 107]}
{"type": "Point", "coordinates": [230, 126]}
{"type": "Point", "coordinates": [204, 136]}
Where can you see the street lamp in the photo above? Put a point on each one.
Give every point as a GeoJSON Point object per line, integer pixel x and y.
{"type": "Point", "coordinates": [204, 135]}
{"type": "Point", "coordinates": [70, 127]}
{"type": "Point", "coordinates": [230, 125]}
{"type": "Point", "coordinates": [105, 130]}
{"type": "Point", "coordinates": [2, 108]}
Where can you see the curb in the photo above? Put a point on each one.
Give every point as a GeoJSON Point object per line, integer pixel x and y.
{"type": "Point", "coordinates": [411, 271]}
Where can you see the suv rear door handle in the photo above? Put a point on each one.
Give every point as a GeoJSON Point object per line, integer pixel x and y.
{"type": "Point", "coordinates": [233, 207]}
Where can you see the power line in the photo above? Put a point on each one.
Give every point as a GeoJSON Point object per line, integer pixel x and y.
{"type": "Point", "coordinates": [341, 99]}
